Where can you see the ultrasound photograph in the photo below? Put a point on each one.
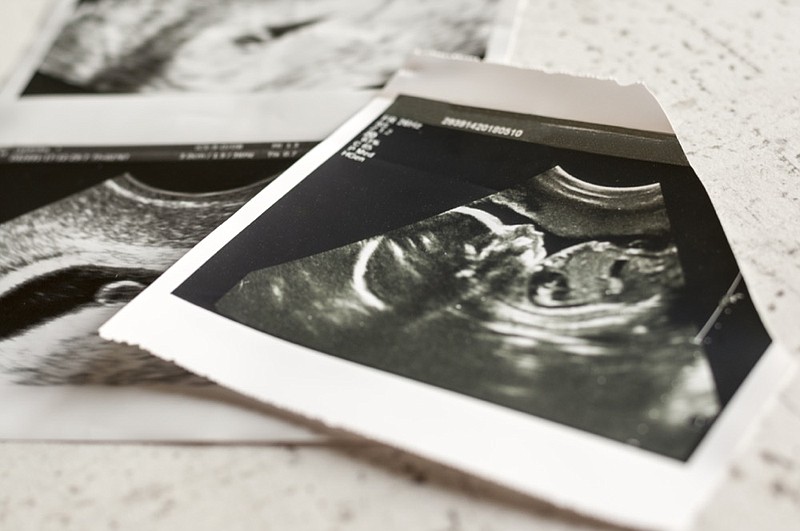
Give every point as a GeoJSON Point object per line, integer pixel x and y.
{"type": "Point", "coordinates": [67, 264]}
{"type": "Point", "coordinates": [593, 290]}
{"type": "Point", "coordinates": [133, 46]}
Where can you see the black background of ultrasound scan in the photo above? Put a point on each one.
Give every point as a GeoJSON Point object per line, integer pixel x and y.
{"type": "Point", "coordinates": [416, 174]}
{"type": "Point", "coordinates": [27, 186]}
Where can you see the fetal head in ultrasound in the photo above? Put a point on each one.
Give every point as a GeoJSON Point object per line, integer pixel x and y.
{"type": "Point", "coordinates": [536, 298]}
{"type": "Point", "coordinates": [67, 267]}
{"type": "Point", "coordinates": [252, 45]}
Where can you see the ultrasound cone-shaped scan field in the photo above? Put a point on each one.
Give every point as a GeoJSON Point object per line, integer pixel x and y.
{"type": "Point", "coordinates": [477, 300]}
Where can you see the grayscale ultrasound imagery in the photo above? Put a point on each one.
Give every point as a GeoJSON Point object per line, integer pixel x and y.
{"type": "Point", "coordinates": [124, 46]}
{"type": "Point", "coordinates": [500, 316]}
{"type": "Point", "coordinates": [68, 266]}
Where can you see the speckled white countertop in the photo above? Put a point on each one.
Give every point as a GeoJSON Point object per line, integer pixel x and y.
{"type": "Point", "coordinates": [729, 78]}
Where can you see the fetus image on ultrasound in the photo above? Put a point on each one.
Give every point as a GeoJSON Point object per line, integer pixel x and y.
{"type": "Point", "coordinates": [557, 297]}
{"type": "Point", "coordinates": [67, 267]}
{"type": "Point", "coordinates": [128, 46]}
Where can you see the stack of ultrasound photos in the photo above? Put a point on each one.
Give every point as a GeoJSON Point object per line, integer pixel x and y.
{"type": "Point", "coordinates": [84, 227]}
{"type": "Point", "coordinates": [513, 273]}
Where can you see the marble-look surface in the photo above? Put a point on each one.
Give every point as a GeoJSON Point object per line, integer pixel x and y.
{"type": "Point", "coordinates": [727, 74]}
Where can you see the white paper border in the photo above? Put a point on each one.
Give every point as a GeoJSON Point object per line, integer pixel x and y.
{"type": "Point", "coordinates": [512, 89]}
{"type": "Point", "coordinates": [132, 120]}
